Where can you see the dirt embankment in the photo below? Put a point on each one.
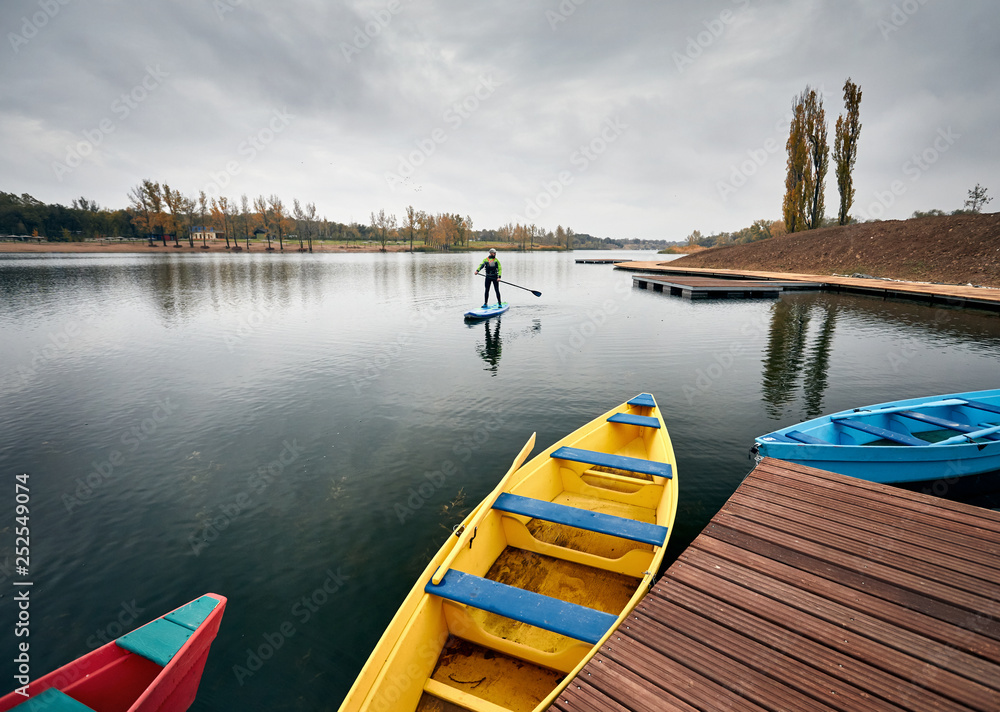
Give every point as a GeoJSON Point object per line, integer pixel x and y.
{"type": "Point", "coordinates": [953, 249]}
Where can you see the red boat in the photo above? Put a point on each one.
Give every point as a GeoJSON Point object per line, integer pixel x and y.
{"type": "Point", "coordinates": [155, 668]}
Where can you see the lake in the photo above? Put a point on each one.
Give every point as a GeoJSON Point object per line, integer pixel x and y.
{"type": "Point", "coordinates": [300, 432]}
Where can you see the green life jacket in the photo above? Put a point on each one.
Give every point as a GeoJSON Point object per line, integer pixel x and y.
{"type": "Point", "coordinates": [492, 266]}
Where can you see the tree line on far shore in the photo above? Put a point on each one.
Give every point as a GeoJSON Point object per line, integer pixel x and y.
{"type": "Point", "coordinates": [159, 213]}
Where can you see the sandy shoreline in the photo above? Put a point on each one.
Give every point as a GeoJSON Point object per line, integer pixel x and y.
{"type": "Point", "coordinates": [144, 248]}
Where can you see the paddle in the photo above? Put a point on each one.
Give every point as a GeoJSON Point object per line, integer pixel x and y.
{"type": "Point", "coordinates": [487, 504]}
{"type": "Point", "coordinates": [536, 293]}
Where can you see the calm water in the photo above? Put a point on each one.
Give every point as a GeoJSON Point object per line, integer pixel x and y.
{"type": "Point", "coordinates": [260, 426]}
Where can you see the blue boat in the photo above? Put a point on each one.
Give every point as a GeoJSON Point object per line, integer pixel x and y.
{"type": "Point", "coordinates": [913, 440]}
{"type": "Point", "coordinates": [487, 311]}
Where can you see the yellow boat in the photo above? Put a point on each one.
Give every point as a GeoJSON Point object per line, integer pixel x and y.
{"type": "Point", "coordinates": [536, 577]}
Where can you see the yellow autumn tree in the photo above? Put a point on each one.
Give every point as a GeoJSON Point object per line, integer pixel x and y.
{"type": "Point", "coordinates": [798, 176]}
{"type": "Point", "coordinates": [845, 148]}
{"type": "Point", "coordinates": [819, 156]}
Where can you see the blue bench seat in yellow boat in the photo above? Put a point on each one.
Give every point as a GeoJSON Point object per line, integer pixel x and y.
{"type": "Point", "coordinates": [618, 462]}
{"type": "Point", "coordinates": [552, 614]}
{"type": "Point", "coordinates": [582, 519]}
{"type": "Point", "coordinates": [884, 433]}
{"type": "Point", "coordinates": [643, 421]}
{"type": "Point", "coordinates": [644, 400]}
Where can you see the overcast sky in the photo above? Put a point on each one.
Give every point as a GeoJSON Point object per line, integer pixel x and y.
{"type": "Point", "coordinates": [622, 119]}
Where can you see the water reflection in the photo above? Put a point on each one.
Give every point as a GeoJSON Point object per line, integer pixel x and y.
{"type": "Point", "coordinates": [351, 358]}
{"type": "Point", "coordinates": [818, 363]}
{"type": "Point", "coordinates": [789, 357]}
{"type": "Point", "coordinates": [491, 347]}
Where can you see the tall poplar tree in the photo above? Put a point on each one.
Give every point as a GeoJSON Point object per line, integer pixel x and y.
{"type": "Point", "coordinates": [819, 156]}
{"type": "Point", "coordinates": [845, 147]}
{"type": "Point", "coordinates": [798, 178]}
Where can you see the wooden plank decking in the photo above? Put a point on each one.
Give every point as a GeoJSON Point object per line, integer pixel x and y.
{"type": "Point", "coordinates": [814, 591]}
{"type": "Point", "coordinates": [950, 295]}
{"type": "Point", "coordinates": [709, 287]}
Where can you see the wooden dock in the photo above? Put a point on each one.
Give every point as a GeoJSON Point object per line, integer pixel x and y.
{"type": "Point", "coordinates": [814, 591]}
{"type": "Point", "coordinates": [947, 295]}
{"type": "Point", "coordinates": [713, 288]}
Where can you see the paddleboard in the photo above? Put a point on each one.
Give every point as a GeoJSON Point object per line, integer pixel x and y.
{"type": "Point", "coordinates": [488, 311]}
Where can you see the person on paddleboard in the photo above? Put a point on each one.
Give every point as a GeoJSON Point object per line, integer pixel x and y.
{"type": "Point", "coordinates": [493, 272]}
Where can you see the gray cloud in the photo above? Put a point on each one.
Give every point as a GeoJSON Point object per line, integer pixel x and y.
{"type": "Point", "coordinates": [485, 105]}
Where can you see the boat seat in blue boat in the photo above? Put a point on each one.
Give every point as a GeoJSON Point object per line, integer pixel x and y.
{"type": "Point", "coordinates": [618, 462]}
{"type": "Point", "coordinates": [52, 700]}
{"type": "Point", "coordinates": [942, 423]}
{"type": "Point", "coordinates": [644, 532]}
{"type": "Point", "coordinates": [644, 400]}
{"type": "Point", "coordinates": [643, 421]}
{"type": "Point", "coordinates": [160, 639]}
{"type": "Point", "coordinates": [799, 436]}
{"type": "Point", "coordinates": [983, 406]}
{"type": "Point", "coordinates": [569, 619]}
{"type": "Point", "coordinates": [884, 433]}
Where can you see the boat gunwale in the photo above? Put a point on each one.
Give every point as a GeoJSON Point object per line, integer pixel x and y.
{"type": "Point", "coordinates": [110, 657]}
{"type": "Point", "coordinates": [956, 456]}
{"type": "Point", "coordinates": [383, 656]}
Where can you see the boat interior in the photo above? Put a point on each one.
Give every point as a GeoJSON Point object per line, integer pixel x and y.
{"type": "Point", "coordinates": [949, 421]}
{"type": "Point", "coordinates": [570, 546]}
{"type": "Point", "coordinates": [137, 669]}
